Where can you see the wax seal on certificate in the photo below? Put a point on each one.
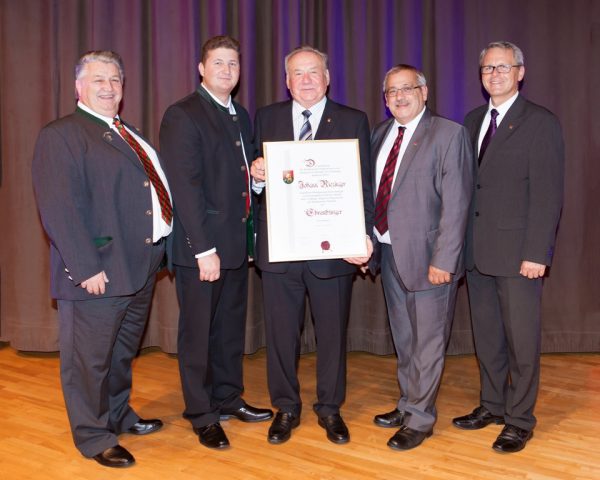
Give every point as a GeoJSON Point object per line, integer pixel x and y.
{"type": "Point", "coordinates": [288, 176]}
{"type": "Point", "coordinates": [325, 245]}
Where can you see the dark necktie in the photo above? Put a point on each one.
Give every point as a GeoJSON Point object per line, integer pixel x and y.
{"type": "Point", "coordinates": [166, 209]}
{"type": "Point", "coordinates": [306, 130]}
{"type": "Point", "coordinates": [488, 135]}
{"type": "Point", "coordinates": [385, 185]}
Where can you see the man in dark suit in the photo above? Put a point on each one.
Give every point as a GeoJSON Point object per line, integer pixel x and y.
{"type": "Point", "coordinates": [510, 242]}
{"type": "Point", "coordinates": [328, 283]}
{"type": "Point", "coordinates": [422, 183]}
{"type": "Point", "coordinates": [206, 141]}
{"type": "Point", "coordinates": [105, 205]}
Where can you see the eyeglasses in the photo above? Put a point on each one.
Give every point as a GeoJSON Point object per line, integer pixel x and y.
{"type": "Point", "coordinates": [488, 69]}
{"type": "Point", "coordinates": [392, 92]}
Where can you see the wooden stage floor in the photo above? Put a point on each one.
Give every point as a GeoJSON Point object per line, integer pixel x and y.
{"type": "Point", "coordinates": [35, 441]}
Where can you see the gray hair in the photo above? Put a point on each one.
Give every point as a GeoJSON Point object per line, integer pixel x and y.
{"type": "Point", "coordinates": [106, 56]}
{"type": "Point", "coordinates": [421, 80]}
{"type": "Point", "coordinates": [517, 52]}
{"type": "Point", "coordinates": [306, 48]}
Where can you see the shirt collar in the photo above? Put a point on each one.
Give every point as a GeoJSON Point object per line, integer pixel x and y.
{"type": "Point", "coordinates": [412, 125]}
{"type": "Point", "coordinates": [318, 107]}
{"type": "Point", "coordinates": [229, 105]}
{"type": "Point", "coordinates": [503, 107]}
{"type": "Point", "coordinates": [85, 108]}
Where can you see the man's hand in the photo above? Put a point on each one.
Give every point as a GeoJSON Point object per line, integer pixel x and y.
{"type": "Point", "coordinates": [210, 268]}
{"type": "Point", "coordinates": [437, 276]}
{"type": "Point", "coordinates": [532, 269]}
{"type": "Point", "coordinates": [257, 169]}
{"type": "Point", "coordinates": [96, 285]}
{"type": "Point", "coordinates": [362, 261]}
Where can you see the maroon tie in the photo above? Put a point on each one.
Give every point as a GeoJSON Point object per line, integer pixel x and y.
{"type": "Point", "coordinates": [166, 209]}
{"type": "Point", "coordinates": [385, 185]}
{"type": "Point", "coordinates": [488, 135]}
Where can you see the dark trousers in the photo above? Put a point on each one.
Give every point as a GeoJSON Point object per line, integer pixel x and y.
{"type": "Point", "coordinates": [98, 340]}
{"type": "Point", "coordinates": [284, 297]}
{"type": "Point", "coordinates": [210, 341]}
{"type": "Point", "coordinates": [505, 313]}
{"type": "Point", "coordinates": [420, 323]}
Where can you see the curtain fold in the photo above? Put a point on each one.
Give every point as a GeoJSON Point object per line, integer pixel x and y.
{"type": "Point", "coordinates": [160, 42]}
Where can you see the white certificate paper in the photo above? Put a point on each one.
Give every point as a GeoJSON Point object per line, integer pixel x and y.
{"type": "Point", "coordinates": [314, 200]}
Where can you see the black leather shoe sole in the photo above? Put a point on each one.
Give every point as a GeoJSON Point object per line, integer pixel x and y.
{"type": "Point", "coordinates": [115, 457]}
{"type": "Point", "coordinates": [248, 415]}
{"type": "Point", "coordinates": [144, 427]}
{"type": "Point", "coordinates": [335, 437]}
{"type": "Point", "coordinates": [281, 431]}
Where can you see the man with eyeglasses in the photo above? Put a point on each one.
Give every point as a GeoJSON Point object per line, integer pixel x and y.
{"type": "Point", "coordinates": [422, 181]}
{"type": "Point", "coordinates": [510, 243]}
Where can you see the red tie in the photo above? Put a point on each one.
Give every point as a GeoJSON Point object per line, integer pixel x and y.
{"type": "Point", "coordinates": [166, 209]}
{"type": "Point", "coordinates": [385, 185]}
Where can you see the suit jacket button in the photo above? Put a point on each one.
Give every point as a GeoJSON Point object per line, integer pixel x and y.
{"type": "Point", "coordinates": [146, 183]}
{"type": "Point", "coordinates": [148, 212]}
{"type": "Point", "coordinates": [148, 241]}
{"type": "Point", "coordinates": [237, 143]}
{"type": "Point", "coordinates": [244, 194]}
{"type": "Point", "coordinates": [243, 168]}
{"type": "Point", "coordinates": [244, 220]}
{"type": "Point", "coordinates": [234, 118]}
{"type": "Point", "coordinates": [476, 214]}
{"type": "Point", "coordinates": [478, 186]}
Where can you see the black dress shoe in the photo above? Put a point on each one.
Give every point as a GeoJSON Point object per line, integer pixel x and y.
{"type": "Point", "coordinates": [247, 413]}
{"type": "Point", "coordinates": [391, 419]}
{"type": "Point", "coordinates": [512, 439]}
{"type": "Point", "coordinates": [478, 418]}
{"type": "Point", "coordinates": [407, 438]}
{"type": "Point", "coordinates": [336, 429]}
{"type": "Point", "coordinates": [281, 429]}
{"type": "Point", "coordinates": [116, 457]}
{"type": "Point", "coordinates": [144, 427]}
{"type": "Point", "coordinates": [212, 436]}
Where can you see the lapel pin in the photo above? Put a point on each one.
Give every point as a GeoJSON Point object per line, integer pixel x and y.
{"type": "Point", "coordinates": [510, 127]}
{"type": "Point", "coordinates": [329, 120]}
{"type": "Point", "coordinates": [107, 136]}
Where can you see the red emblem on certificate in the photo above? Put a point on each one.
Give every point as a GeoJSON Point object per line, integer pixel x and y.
{"type": "Point", "coordinates": [288, 176]}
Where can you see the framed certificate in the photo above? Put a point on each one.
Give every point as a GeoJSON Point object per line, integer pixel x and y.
{"type": "Point", "coordinates": [314, 200]}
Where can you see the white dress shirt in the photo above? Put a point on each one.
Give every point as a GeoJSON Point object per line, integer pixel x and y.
{"type": "Point", "coordinates": [384, 152]}
{"type": "Point", "coordinates": [160, 228]}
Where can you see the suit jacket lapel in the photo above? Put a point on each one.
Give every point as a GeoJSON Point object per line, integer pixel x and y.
{"type": "Point", "coordinates": [379, 136]}
{"type": "Point", "coordinates": [325, 128]}
{"type": "Point", "coordinates": [411, 150]}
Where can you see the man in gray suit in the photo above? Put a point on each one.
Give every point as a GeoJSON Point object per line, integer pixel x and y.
{"type": "Point", "coordinates": [510, 242]}
{"type": "Point", "coordinates": [105, 205]}
{"type": "Point", "coordinates": [422, 181]}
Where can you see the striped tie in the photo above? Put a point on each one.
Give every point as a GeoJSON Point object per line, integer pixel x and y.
{"type": "Point", "coordinates": [306, 130]}
{"type": "Point", "coordinates": [385, 185]}
{"type": "Point", "coordinates": [166, 209]}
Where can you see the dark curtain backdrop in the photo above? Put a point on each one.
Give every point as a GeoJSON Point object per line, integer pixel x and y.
{"type": "Point", "coordinates": [160, 41]}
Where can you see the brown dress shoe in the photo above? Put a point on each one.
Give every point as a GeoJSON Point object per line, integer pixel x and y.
{"type": "Point", "coordinates": [407, 438]}
{"type": "Point", "coordinates": [393, 419]}
{"type": "Point", "coordinates": [116, 457]}
{"type": "Point", "coordinates": [212, 436]}
{"type": "Point", "coordinates": [478, 418]}
{"type": "Point", "coordinates": [281, 429]}
{"type": "Point", "coordinates": [512, 439]}
{"type": "Point", "coordinates": [336, 429]}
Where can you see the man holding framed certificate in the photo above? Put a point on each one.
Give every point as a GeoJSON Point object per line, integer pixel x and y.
{"type": "Point", "coordinates": [310, 115]}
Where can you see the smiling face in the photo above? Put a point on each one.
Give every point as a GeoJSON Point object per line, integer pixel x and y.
{"type": "Point", "coordinates": [501, 86]}
{"type": "Point", "coordinates": [307, 78]}
{"type": "Point", "coordinates": [100, 87]}
{"type": "Point", "coordinates": [405, 107]}
{"type": "Point", "coordinates": [220, 72]}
